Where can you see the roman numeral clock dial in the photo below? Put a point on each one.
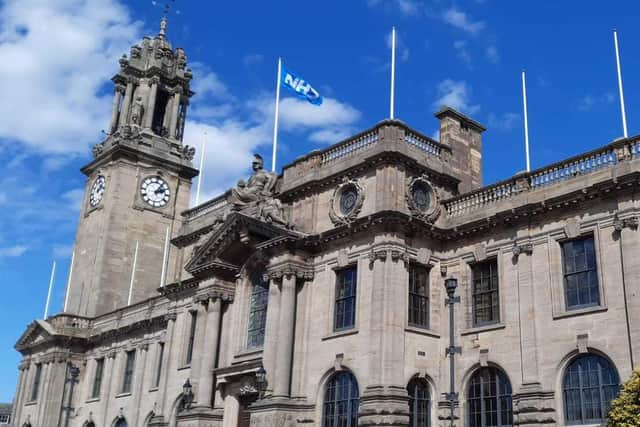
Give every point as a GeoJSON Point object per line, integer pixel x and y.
{"type": "Point", "coordinates": [97, 191]}
{"type": "Point", "coordinates": [155, 191]}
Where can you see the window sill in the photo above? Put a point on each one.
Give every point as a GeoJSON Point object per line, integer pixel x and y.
{"type": "Point", "coordinates": [483, 328]}
{"type": "Point", "coordinates": [580, 311]}
{"type": "Point", "coordinates": [127, 394]}
{"type": "Point", "coordinates": [93, 399]}
{"type": "Point", "coordinates": [422, 331]}
{"type": "Point", "coordinates": [339, 334]}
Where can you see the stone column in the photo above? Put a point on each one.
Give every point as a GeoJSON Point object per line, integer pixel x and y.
{"type": "Point", "coordinates": [285, 340]}
{"type": "Point", "coordinates": [231, 411]}
{"type": "Point", "coordinates": [269, 349]}
{"type": "Point", "coordinates": [124, 111]}
{"type": "Point", "coordinates": [198, 344]}
{"type": "Point", "coordinates": [116, 105]}
{"type": "Point", "coordinates": [21, 392]}
{"type": "Point", "coordinates": [110, 372]}
{"type": "Point", "coordinates": [629, 248]}
{"type": "Point", "coordinates": [212, 334]}
{"type": "Point", "coordinates": [151, 104]}
{"type": "Point", "coordinates": [167, 367]}
{"type": "Point", "coordinates": [138, 389]}
{"type": "Point", "coordinates": [173, 123]}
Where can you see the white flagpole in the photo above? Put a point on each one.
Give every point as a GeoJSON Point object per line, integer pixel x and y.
{"type": "Point", "coordinates": [526, 120]}
{"type": "Point", "coordinates": [624, 115]}
{"type": "Point", "coordinates": [133, 274]}
{"type": "Point", "coordinates": [163, 275]}
{"type": "Point", "coordinates": [201, 169]}
{"type": "Point", "coordinates": [66, 296]}
{"type": "Point", "coordinates": [393, 72]}
{"type": "Point", "coordinates": [275, 121]}
{"type": "Point", "coordinates": [46, 306]}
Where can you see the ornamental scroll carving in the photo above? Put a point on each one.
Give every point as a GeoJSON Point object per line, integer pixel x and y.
{"type": "Point", "coordinates": [423, 199]}
{"type": "Point", "coordinates": [346, 202]}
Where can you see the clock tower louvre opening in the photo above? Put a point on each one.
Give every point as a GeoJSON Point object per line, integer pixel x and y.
{"type": "Point", "coordinates": [138, 183]}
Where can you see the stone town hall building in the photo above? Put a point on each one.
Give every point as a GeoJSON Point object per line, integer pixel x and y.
{"type": "Point", "coordinates": [322, 296]}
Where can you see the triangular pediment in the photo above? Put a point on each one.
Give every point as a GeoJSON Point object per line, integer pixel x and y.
{"type": "Point", "coordinates": [228, 247]}
{"type": "Point", "coordinates": [37, 332]}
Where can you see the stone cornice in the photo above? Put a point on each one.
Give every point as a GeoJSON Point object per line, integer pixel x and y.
{"type": "Point", "coordinates": [297, 268]}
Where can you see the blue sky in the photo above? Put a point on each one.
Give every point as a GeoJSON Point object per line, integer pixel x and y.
{"type": "Point", "coordinates": [57, 58]}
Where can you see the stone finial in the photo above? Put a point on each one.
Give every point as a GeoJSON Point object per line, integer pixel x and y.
{"type": "Point", "coordinates": [163, 26]}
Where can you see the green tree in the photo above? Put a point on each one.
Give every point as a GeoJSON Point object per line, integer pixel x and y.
{"type": "Point", "coordinates": [625, 409]}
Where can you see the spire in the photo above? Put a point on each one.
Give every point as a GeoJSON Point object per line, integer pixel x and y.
{"type": "Point", "coordinates": [163, 26]}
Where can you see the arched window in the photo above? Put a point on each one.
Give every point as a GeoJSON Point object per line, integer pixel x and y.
{"type": "Point", "coordinates": [419, 403]}
{"type": "Point", "coordinates": [489, 399]}
{"type": "Point", "coordinates": [589, 384]}
{"type": "Point", "coordinates": [257, 311]}
{"type": "Point", "coordinates": [341, 401]}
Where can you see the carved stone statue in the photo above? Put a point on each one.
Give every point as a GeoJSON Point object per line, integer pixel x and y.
{"type": "Point", "coordinates": [258, 188]}
{"type": "Point", "coordinates": [136, 111]}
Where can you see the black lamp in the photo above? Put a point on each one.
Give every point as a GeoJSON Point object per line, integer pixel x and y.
{"type": "Point", "coordinates": [261, 381]}
{"type": "Point", "coordinates": [187, 394]}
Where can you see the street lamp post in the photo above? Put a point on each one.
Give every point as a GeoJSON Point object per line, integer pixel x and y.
{"type": "Point", "coordinates": [451, 285]}
{"type": "Point", "coordinates": [74, 372]}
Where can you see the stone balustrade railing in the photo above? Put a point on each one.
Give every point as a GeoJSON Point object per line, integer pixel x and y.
{"type": "Point", "coordinates": [349, 147]}
{"type": "Point", "coordinates": [601, 158]}
{"type": "Point", "coordinates": [65, 321]}
{"type": "Point", "coordinates": [422, 143]}
{"type": "Point", "coordinates": [217, 203]}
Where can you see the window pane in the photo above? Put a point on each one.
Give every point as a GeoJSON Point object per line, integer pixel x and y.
{"type": "Point", "coordinates": [418, 296]}
{"type": "Point", "coordinates": [485, 298]}
{"type": "Point", "coordinates": [590, 383]}
{"type": "Point", "coordinates": [580, 273]}
{"type": "Point", "coordinates": [341, 401]}
{"type": "Point", "coordinates": [345, 303]}
{"type": "Point", "coordinates": [489, 399]}
{"type": "Point", "coordinates": [257, 311]}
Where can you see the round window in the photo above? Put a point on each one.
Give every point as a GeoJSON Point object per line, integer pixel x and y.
{"type": "Point", "coordinates": [420, 195]}
{"type": "Point", "coordinates": [348, 199]}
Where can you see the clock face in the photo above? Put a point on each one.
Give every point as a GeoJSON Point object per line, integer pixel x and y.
{"type": "Point", "coordinates": [97, 191]}
{"type": "Point", "coordinates": [155, 191]}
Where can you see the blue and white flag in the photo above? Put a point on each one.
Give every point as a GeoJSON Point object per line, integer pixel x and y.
{"type": "Point", "coordinates": [300, 86]}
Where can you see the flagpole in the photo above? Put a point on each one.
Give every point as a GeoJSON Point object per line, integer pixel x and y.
{"type": "Point", "coordinates": [46, 306]}
{"type": "Point", "coordinates": [526, 120]}
{"type": "Point", "coordinates": [66, 297]}
{"type": "Point", "coordinates": [393, 72]}
{"type": "Point", "coordinates": [163, 275]}
{"type": "Point", "coordinates": [275, 120]}
{"type": "Point", "coordinates": [200, 170]}
{"type": "Point", "coordinates": [624, 116]}
{"type": "Point", "coordinates": [133, 274]}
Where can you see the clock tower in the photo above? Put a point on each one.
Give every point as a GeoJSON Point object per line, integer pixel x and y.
{"type": "Point", "coordinates": [137, 184]}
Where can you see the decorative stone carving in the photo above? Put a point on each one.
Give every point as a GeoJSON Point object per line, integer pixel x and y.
{"type": "Point", "coordinates": [423, 199]}
{"type": "Point", "coordinates": [343, 258]}
{"type": "Point", "coordinates": [582, 341]}
{"type": "Point", "coordinates": [398, 255]}
{"type": "Point", "coordinates": [188, 152]}
{"type": "Point", "coordinates": [137, 110]}
{"type": "Point", "coordinates": [480, 252]}
{"type": "Point", "coordinates": [619, 224]}
{"type": "Point", "coordinates": [484, 357]}
{"type": "Point", "coordinates": [255, 197]}
{"type": "Point", "coordinates": [377, 254]}
{"type": "Point", "coordinates": [572, 228]}
{"type": "Point", "coordinates": [97, 149]}
{"type": "Point", "coordinates": [424, 256]}
{"type": "Point", "coordinates": [522, 248]}
{"type": "Point", "coordinates": [346, 202]}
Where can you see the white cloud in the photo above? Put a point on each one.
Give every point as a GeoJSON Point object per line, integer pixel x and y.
{"type": "Point", "coordinates": [13, 251]}
{"type": "Point", "coordinates": [587, 102]}
{"type": "Point", "coordinates": [402, 51]}
{"type": "Point", "coordinates": [462, 52]}
{"type": "Point", "coordinates": [462, 21]}
{"type": "Point", "coordinates": [503, 122]}
{"type": "Point", "coordinates": [492, 54]}
{"type": "Point", "coordinates": [208, 84]}
{"type": "Point", "coordinates": [455, 94]}
{"type": "Point", "coordinates": [62, 251]}
{"type": "Point", "coordinates": [52, 74]}
{"type": "Point", "coordinates": [405, 7]}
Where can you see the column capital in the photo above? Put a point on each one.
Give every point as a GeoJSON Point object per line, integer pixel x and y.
{"type": "Point", "coordinates": [288, 270]}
